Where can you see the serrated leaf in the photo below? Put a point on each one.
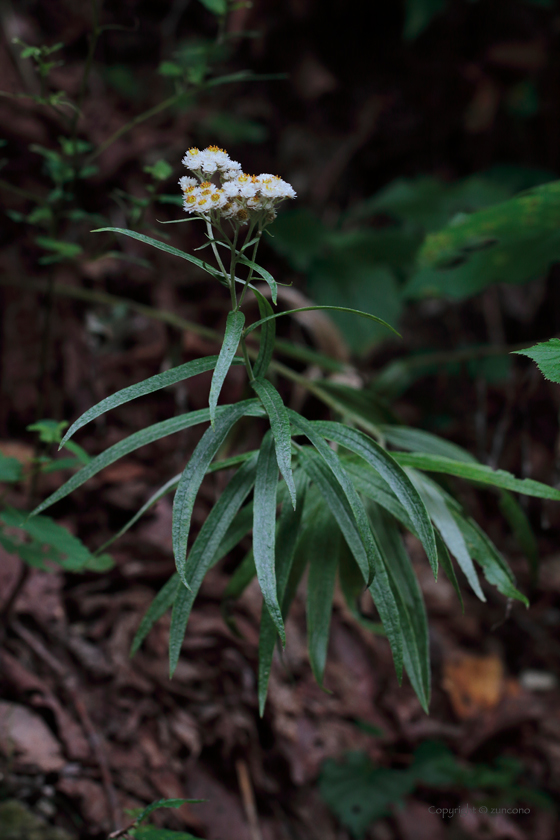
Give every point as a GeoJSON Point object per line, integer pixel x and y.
{"type": "Point", "coordinates": [74, 554]}
{"type": "Point", "coordinates": [445, 522]}
{"type": "Point", "coordinates": [546, 354]}
{"type": "Point", "coordinates": [133, 442]}
{"type": "Point", "coordinates": [393, 474]}
{"type": "Point", "coordinates": [163, 246]}
{"type": "Point", "coordinates": [323, 541]}
{"type": "Point", "coordinates": [10, 469]}
{"type": "Point", "coordinates": [193, 475]}
{"type": "Point", "coordinates": [264, 530]}
{"type": "Point", "coordinates": [140, 389]}
{"type": "Point", "coordinates": [280, 428]}
{"type": "Point", "coordinates": [204, 550]}
{"type": "Point", "coordinates": [267, 336]}
{"type": "Point", "coordinates": [232, 337]}
{"type": "Point", "coordinates": [286, 541]}
{"type": "Point", "coordinates": [477, 472]}
{"type": "Point", "coordinates": [410, 604]}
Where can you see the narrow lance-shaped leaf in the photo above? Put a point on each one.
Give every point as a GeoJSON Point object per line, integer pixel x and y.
{"type": "Point", "coordinates": [323, 543]}
{"type": "Point", "coordinates": [192, 477]}
{"type": "Point", "coordinates": [267, 337]}
{"type": "Point", "coordinates": [159, 606]}
{"type": "Point", "coordinates": [448, 528]}
{"type": "Point", "coordinates": [339, 506]}
{"type": "Point", "coordinates": [162, 246]}
{"type": "Point", "coordinates": [394, 475]}
{"type": "Point", "coordinates": [280, 427]}
{"type": "Point", "coordinates": [203, 552]}
{"type": "Point", "coordinates": [130, 444]}
{"type": "Point", "coordinates": [309, 308]}
{"type": "Point", "coordinates": [264, 529]}
{"type": "Point", "coordinates": [266, 276]}
{"type": "Point", "coordinates": [232, 337]}
{"type": "Point", "coordinates": [140, 389]}
{"type": "Point", "coordinates": [477, 472]}
{"type": "Point", "coordinates": [332, 460]}
{"type": "Point", "coordinates": [286, 541]}
{"type": "Point", "coordinates": [410, 604]}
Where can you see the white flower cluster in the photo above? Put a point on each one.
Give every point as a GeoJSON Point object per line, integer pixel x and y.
{"type": "Point", "coordinates": [238, 197]}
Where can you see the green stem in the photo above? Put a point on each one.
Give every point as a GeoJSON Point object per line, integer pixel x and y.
{"type": "Point", "coordinates": [146, 115]}
{"type": "Point", "coordinates": [253, 258]}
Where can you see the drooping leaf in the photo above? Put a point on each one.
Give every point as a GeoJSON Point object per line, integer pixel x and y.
{"type": "Point", "coordinates": [393, 474]}
{"type": "Point", "coordinates": [324, 550]}
{"type": "Point", "coordinates": [494, 567]}
{"type": "Point", "coordinates": [280, 428]}
{"type": "Point", "coordinates": [266, 276]}
{"type": "Point", "coordinates": [410, 604]}
{"type": "Point", "coordinates": [163, 601]}
{"type": "Point", "coordinates": [444, 521]}
{"type": "Point", "coordinates": [546, 354]}
{"type": "Point", "coordinates": [232, 337]}
{"type": "Point", "coordinates": [192, 476]}
{"type": "Point", "coordinates": [521, 528]}
{"type": "Point", "coordinates": [163, 246]}
{"type": "Point", "coordinates": [203, 552]}
{"type": "Point", "coordinates": [417, 440]}
{"type": "Point", "coordinates": [286, 541]}
{"type": "Point", "coordinates": [477, 472]}
{"type": "Point", "coordinates": [264, 530]}
{"type": "Point", "coordinates": [140, 389]}
{"type": "Point", "coordinates": [344, 309]}
{"type": "Point", "coordinates": [135, 441]}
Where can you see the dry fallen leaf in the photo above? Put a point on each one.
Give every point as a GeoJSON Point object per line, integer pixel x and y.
{"type": "Point", "coordinates": [474, 684]}
{"type": "Point", "coordinates": [25, 738]}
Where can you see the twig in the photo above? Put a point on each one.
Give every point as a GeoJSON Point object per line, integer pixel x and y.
{"type": "Point", "coordinates": [248, 797]}
{"type": "Point", "coordinates": [69, 682]}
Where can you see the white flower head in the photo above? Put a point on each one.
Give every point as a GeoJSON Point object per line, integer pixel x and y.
{"type": "Point", "coordinates": [187, 184]}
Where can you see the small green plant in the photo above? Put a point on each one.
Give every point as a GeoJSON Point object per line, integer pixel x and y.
{"type": "Point", "coordinates": [323, 494]}
{"type": "Point", "coordinates": [136, 831]}
{"type": "Point", "coordinates": [359, 792]}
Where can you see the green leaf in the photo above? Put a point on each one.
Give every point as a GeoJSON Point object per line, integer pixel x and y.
{"type": "Point", "coordinates": [522, 531]}
{"type": "Point", "coordinates": [393, 474]}
{"type": "Point", "coordinates": [140, 389]}
{"type": "Point", "coordinates": [10, 469]}
{"type": "Point", "coordinates": [66, 250]}
{"type": "Point", "coordinates": [286, 541]}
{"type": "Point", "coordinates": [150, 832]}
{"type": "Point", "coordinates": [547, 356]}
{"type": "Point", "coordinates": [162, 246]}
{"type": "Point", "coordinates": [47, 532]}
{"type": "Point", "coordinates": [267, 337]}
{"type": "Point", "coordinates": [323, 541]}
{"type": "Point", "coordinates": [445, 522]}
{"type": "Point", "coordinates": [232, 337]}
{"type": "Point", "coordinates": [266, 276]}
{"type": "Point", "coordinates": [410, 604]}
{"type": "Point", "coordinates": [332, 308]}
{"type": "Point", "coordinates": [203, 552]}
{"type": "Point", "coordinates": [280, 427]}
{"type": "Point", "coordinates": [417, 440]}
{"type": "Point", "coordinates": [241, 578]}
{"type": "Point", "coordinates": [192, 476]}
{"type": "Point", "coordinates": [341, 496]}
{"type": "Point", "coordinates": [159, 606]}
{"type": "Point", "coordinates": [419, 14]}
{"type": "Point", "coordinates": [479, 473]}
{"type": "Point", "coordinates": [164, 803]}
{"type": "Point", "coordinates": [496, 570]}
{"type": "Point", "coordinates": [264, 530]}
{"type": "Point", "coordinates": [133, 442]}
{"type": "Point", "coordinates": [217, 7]}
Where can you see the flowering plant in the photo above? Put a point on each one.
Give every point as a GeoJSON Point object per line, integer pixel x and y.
{"type": "Point", "coordinates": [335, 509]}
